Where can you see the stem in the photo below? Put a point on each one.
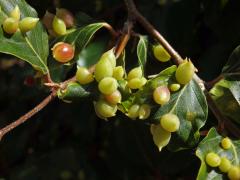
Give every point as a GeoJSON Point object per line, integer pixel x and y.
{"type": "Point", "coordinates": [110, 29]}
{"type": "Point", "coordinates": [132, 10]}
{"type": "Point", "coordinates": [28, 115]}
{"type": "Point", "coordinates": [152, 31]}
{"type": "Point", "coordinates": [124, 38]}
{"type": "Point", "coordinates": [211, 83]}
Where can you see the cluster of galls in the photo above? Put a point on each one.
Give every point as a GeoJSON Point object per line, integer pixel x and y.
{"type": "Point", "coordinates": [223, 163]}
{"type": "Point", "coordinates": [14, 22]}
{"type": "Point", "coordinates": [108, 76]}
{"type": "Point", "coordinates": [59, 24]}
{"type": "Point", "coordinates": [169, 122]}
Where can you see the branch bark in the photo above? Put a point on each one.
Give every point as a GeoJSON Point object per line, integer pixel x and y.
{"type": "Point", "coordinates": [152, 31]}
{"type": "Point", "coordinates": [28, 115]}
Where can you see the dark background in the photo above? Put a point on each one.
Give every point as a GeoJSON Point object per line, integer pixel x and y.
{"type": "Point", "coordinates": [67, 141]}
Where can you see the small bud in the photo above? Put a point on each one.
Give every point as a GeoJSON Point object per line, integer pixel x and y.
{"type": "Point", "coordinates": [185, 72]}
{"type": "Point", "coordinates": [15, 13]}
{"type": "Point", "coordinates": [225, 165]}
{"type": "Point", "coordinates": [175, 87]}
{"type": "Point", "coordinates": [170, 122]}
{"type": "Point", "coordinates": [66, 16]}
{"type": "Point", "coordinates": [136, 83]}
{"type": "Point", "coordinates": [10, 25]}
{"type": "Point", "coordinates": [135, 73]}
{"type": "Point", "coordinates": [47, 20]}
{"type": "Point", "coordinates": [59, 26]}
{"type": "Point", "coordinates": [108, 85]}
{"type": "Point", "coordinates": [103, 68]}
{"type": "Point", "coordinates": [234, 173]}
{"type": "Point", "coordinates": [144, 111]}
{"type": "Point", "coordinates": [161, 95]}
{"type": "Point", "coordinates": [212, 159]}
{"type": "Point", "coordinates": [110, 56]}
{"type": "Point", "coordinates": [114, 98]}
{"type": "Point", "coordinates": [104, 109]}
{"type": "Point", "coordinates": [83, 75]}
{"type": "Point", "coordinates": [118, 73]}
{"type": "Point", "coordinates": [133, 111]}
{"type": "Point", "coordinates": [160, 53]}
{"type": "Point", "coordinates": [226, 143]}
{"type": "Point", "coordinates": [27, 24]}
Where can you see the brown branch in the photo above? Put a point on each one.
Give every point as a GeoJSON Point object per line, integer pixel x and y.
{"type": "Point", "coordinates": [111, 30]}
{"type": "Point", "coordinates": [211, 83]}
{"type": "Point", "coordinates": [28, 115]}
{"type": "Point", "coordinates": [124, 38]}
{"type": "Point", "coordinates": [132, 10]}
{"type": "Point", "coordinates": [152, 31]}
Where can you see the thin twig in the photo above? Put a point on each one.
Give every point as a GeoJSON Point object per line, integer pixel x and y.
{"type": "Point", "coordinates": [111, 30]}
{"type": "Point", "coordinates": [28, 115]}
{"type": "Point", "coordinates": [127, 29]}
{"type": "Point", "coordinates": [154, 33]}
{"type": "Point", "coordinates": [211, 83]}
{"type": "Point", "coordinates": [124, 38]}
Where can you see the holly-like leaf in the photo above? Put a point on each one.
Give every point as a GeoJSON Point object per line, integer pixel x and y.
{"type": "Point", "coordinates": [233, 64]}
{"type": "Point", "coordinates": [31, 47]}
{"type": "Point", "coordinates": [142, 48]}
{"type": "Point", "coordinates": [91, 54]}
{"type": "Point", "coordinates": [190, 105]}
{"type": "Point", "coordinates": [227, 97]}
{"type": "Point", "coordinates": [82, 36]}
{"type": "Point", "coordinates": [83, 19]}
{"type": "Point", "coordinates": [211, 143]}
{"type": "Point", "coordinates": [72, 92]}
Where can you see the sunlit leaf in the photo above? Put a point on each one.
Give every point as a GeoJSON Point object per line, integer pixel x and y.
{"type": "Point", "coordinates": [211, 143]}
{"type": "Point", "coordinates": [142, 49]}
{"type": "Point", "coordinates": [32, 47]}
{"type": "Point", "coordinates": [227, 97]}
{"type": "Point", "coordinates": [189, 104]}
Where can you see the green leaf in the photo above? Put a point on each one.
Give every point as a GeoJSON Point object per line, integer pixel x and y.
{"type": "Point", "coordinates": [161, 137]}
{"type": "Point", "coordinates": [233, 64]}
{"type": "Point", "coordinates": [211, 143]}
{"type": "Point", "coordinates": [32, 47]}
{"type": "Point", "coordinates": [82, 36]}
{"type": "Point", "coordinates": [72, 92]}
{"type": "Point", "coordinates": [226, 94]}
{"type": "Point", "coordinates": [189, 104]}
{"type": "Point", "coordinates": [83, 19]}
{"type": "Point", "coordinates": [142, 48]}
{"type": "Point", "coordinates": [91, 54]}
